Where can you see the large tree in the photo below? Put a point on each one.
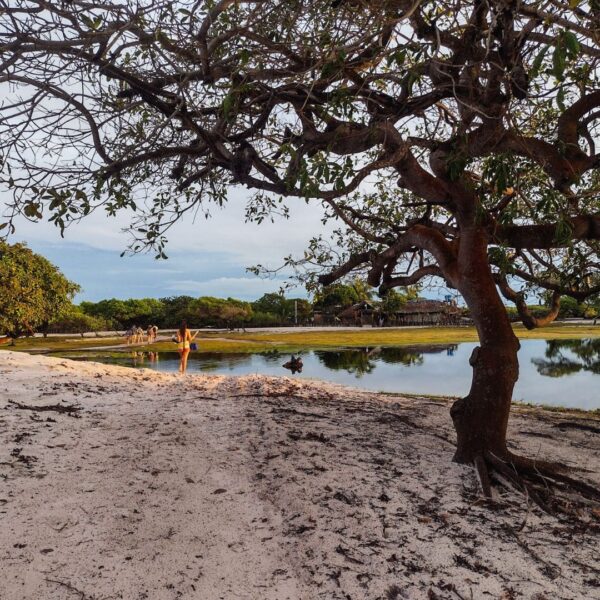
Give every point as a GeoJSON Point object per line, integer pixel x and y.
{"type": "Point", "coordinates": [33, 292]}
{"type": "Point", "coordinates": [451, 139]}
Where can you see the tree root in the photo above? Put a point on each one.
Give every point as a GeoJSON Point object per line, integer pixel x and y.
{"type": "Point", "coordinates": [544, 482]}
{"type": "Point", "coordinates": [484, 477]}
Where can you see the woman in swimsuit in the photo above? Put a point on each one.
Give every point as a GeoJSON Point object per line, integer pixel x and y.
{"type": "Point", "coordinates": [184, 337]}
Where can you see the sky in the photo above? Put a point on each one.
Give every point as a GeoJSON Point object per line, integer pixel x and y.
{"type": "Point", "coordinates": [206, 257]}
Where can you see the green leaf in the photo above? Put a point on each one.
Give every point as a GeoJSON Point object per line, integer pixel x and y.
{"type": "Point", "coordinates": [564, 231]}
{"type": "Point", "coordinates": [329, 69]}
{"type": "Point", "coordinates": [571, 44]}
{"type": "Point", "coordinates": [539, 59]}
{"type": "Point", "coordinates": [228, 106]}
{"type": "Point", "coordinates": [93, 24]}
{"type": "Point", "coordinates": [558, 62]}
{"type": "Point", "coordinates": [31, 210]}
{"type": "Point", "coordinates": [560, 98]}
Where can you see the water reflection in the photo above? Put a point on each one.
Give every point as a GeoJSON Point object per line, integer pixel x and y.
{"type": "Point", "coordinates": [295, 364]}
{"type": "Point", "coordinates": [139, 359]}
{"type": "Point", "coordinates": [438, 369]}
{"type": "Point", "coordinates": [566, 357]}
{"type": "Point", "coordinates": [363, 361]}
{"type": "Point", "coordinates": [356, 361]}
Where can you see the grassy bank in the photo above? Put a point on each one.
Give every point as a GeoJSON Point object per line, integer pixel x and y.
{"type": "Point", "coordinates": [400, 336]}
{"type": "Point", "coordinates": [295, 340]}
{"type": "Point", "coordinates": [57, 344]}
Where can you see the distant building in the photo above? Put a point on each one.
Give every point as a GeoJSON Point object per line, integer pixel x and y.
{"type": "Point", "coordinates": [358, 314]}
{"type": "Point", "coordinates": [425, 312]}
{"type": "Point", "coordinates": [416, 312]}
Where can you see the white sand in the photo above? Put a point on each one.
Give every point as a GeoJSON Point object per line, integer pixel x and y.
{"type": "Point", "coordinates": [264, 488]}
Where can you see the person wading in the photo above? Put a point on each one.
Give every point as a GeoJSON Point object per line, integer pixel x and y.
{"type": "Point", "coordinates": [184, 338]}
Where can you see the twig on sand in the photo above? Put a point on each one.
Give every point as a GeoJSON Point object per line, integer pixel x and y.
{"type": "Point", "coordinates": [577, 425]}
{"type": "Point", "coordinates": [59, 408]}
{"type": "Point", "coordinates": [299, 412]}
{"type": "Point", "coordinates": [72, 588]}
{"type": "Point", "coordinates": [551, 571]}
{"type": "Point", "coordinates": [268, 395]}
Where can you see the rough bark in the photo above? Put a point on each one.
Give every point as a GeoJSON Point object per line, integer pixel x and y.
{"type": "Point", "coordinates": [481, 418]}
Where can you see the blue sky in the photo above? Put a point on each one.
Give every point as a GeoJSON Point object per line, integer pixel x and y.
{"type": "Point", "coordinates": [208, 257]}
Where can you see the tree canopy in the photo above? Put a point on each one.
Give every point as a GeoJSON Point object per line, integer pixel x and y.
{"type": "Point", "coordinates": [75, 320]}
{"type": "Point", "coordinates": [452, 139]}
{"type": "Point", "coordinates": [336, 296]}
{"type": "Point", "coordinates": [33, 292]}
{"type": "Point", "coordinates": [126, 313]}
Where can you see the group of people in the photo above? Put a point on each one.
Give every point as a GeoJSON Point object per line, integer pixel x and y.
{"type": "Point", "coordinates": [135, 335]}
{"type": "Point", "coordinates": [184, 339]}
{"type": "Point", "coordinates": [185, 343]}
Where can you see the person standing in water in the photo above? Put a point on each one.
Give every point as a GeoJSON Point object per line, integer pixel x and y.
{"type": "Point", "coordinates": [184, 337]}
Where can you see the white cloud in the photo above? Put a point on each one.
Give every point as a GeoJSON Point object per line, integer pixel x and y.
{"type": "Point", "coordinates": [224, 232]}
{"type": "Point", "coordinates": [236, 287]}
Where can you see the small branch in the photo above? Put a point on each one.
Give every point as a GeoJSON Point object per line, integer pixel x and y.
{"type": "Point", "coordinates": [72, 588]}
{"type": "Point", "coordinates": [414, 277]}
{"type": "Point", "coordinates": [59, 408]}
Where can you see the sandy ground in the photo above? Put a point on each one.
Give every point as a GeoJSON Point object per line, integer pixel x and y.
{"type": "Point", "coordinates": [265, 488]}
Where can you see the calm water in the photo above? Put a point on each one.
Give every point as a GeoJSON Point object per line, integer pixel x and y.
{"type": "Point", "coordinates": [554, 372]}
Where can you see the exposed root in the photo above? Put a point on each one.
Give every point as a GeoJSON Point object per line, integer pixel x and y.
{"type": "Point", "coordinates": [555, 472]}
{"type": "Point", "coordinates": [484, 477]}
{"type": "Point", "coordinates": [543, 482]}
{"type": "Point", "coordinates": [535, 465]}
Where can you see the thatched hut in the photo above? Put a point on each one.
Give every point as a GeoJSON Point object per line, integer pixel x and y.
{"type": "Point", "coordinates": [426, 312]}
{"type": "Point", "coordinates": [358, 314]}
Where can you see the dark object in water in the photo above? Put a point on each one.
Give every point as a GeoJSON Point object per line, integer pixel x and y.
{"type": "Point", "coordinates": [294, 364]}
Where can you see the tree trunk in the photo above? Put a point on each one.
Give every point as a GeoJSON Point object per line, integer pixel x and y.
{"type": "Point", "coordinates": [481, 418]}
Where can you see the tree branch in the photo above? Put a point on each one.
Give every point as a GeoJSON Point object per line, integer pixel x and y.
{"type": "Point", "coordinates": [584, 227]}
{"type": "Point", "coordinates": [527, 318]}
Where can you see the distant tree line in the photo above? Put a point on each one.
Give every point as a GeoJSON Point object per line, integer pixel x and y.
{"type": "Point", "coordinates": [36, 297]}
{"type": "Point", "coordinates": [206, 311]}
{"type": "Point", "coordinates": [270, 310]}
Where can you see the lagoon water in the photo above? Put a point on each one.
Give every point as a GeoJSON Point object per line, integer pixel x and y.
{"type": "Point", "coordinates": [554, 372]}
